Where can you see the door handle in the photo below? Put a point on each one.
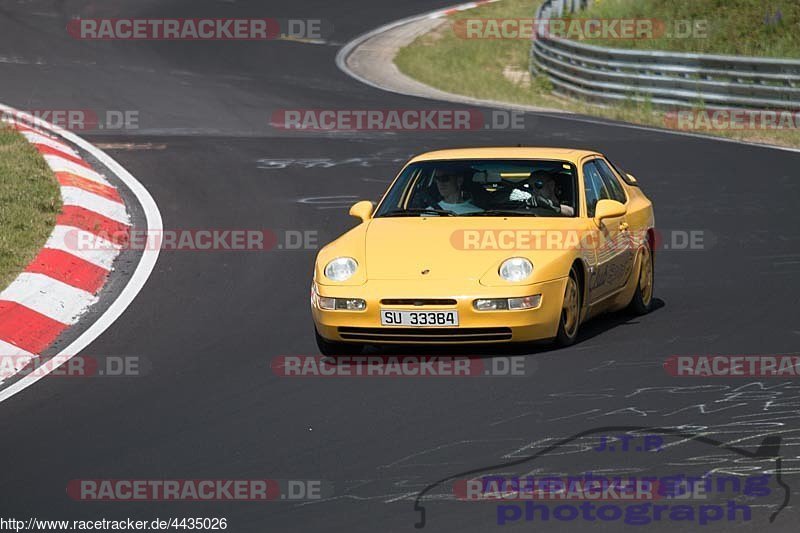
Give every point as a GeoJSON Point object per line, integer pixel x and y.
{"type": "Point", "coordinates": [623, 226]}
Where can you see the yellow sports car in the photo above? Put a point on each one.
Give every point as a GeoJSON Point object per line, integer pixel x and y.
{"type": "Point", "coordinates": [486, 245]}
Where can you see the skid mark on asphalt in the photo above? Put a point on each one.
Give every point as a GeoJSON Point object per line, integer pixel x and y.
{"type": "Point", "coordinates": [753, 411]}
{"type": "Point", "coordinates": [329, 202]}
{"type": "Point", "coordinates": [15, 60]}
{"type": "Point", "coordinates": [129, 147]}
{"type": "Point", "coordinates": [438, 448]}
{"type": "Point", "coordinates": [614, 363]}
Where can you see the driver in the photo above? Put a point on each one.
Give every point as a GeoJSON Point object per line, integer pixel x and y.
{"type": "Point", "coordinates": [450, 183]}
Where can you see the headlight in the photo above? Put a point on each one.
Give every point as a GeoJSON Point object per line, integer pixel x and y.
{"type": "Point", "coordinates": [341, 269]}
{"type": "Point", "coordinates": [516, 269]}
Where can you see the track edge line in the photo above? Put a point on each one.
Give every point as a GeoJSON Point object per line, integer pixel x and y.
{"type": "Point", "coordinates": [140, 276]}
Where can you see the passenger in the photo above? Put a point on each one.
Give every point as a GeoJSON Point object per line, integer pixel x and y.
{"type": "Point", "coordinates": [545, 193]}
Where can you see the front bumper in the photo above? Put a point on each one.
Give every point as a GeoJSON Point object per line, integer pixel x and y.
{"type": "Point", "coordinates": [474, 326]}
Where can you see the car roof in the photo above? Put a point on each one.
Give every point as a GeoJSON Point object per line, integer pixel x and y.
{"type": "Point", "coordinates": [516, 152]}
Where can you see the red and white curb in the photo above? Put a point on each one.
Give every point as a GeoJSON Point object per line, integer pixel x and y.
{"type": "Point", "coordinates": [62, 282]}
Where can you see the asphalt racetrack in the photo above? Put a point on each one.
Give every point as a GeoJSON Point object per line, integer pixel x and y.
{"type": "Point", "coordinates": [210, 324]}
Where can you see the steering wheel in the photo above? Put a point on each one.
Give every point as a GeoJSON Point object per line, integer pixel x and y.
{"type": "Point", "coordinates": [424, 198]}
{"type": "Point", "coordinates": [546, 203]}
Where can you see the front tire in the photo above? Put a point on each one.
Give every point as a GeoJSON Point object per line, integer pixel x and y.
{"type": "Point", "coordinates": [570, 319]}
{"type": "Point", "coordinates": [333, 349]}
{"type": "Point", "coordinates": [642, 301]}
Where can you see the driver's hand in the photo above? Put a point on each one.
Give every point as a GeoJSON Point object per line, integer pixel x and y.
{"type": "Point", "coordinates": [541, 201]}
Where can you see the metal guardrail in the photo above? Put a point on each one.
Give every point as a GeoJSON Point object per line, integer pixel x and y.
{"type": "Point", "coordinates": [668, 79]}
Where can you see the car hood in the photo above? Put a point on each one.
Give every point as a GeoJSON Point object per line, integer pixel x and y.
{"type": "Point", "coordinates": [405, 247]}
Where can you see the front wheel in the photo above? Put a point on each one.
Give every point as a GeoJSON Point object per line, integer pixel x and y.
{"type": "Point", "coordinates": [332, 348]}
{"type": "Point", "coordinates": [570, 311]}
{"type": "Point", "coordinates": [642, 301]}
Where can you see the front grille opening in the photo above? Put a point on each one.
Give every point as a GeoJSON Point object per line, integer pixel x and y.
{"type": "Point", "coordinates": [418, 302]}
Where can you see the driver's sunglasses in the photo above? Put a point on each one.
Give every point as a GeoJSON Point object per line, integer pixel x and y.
{"type": "Point", "coordinates": [445, 178]}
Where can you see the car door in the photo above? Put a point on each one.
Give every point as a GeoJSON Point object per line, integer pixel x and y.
{"type": "Point", "coordinates": [614, 257]}
{"type": "Point", "coordinates": [627, 241]}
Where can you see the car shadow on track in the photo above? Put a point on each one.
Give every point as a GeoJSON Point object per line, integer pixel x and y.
{"type": "Point", "coordinates": [609, 321]}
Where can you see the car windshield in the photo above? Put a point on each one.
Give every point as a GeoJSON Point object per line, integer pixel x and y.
{"type": "Point", "coordinates": [535, 188]}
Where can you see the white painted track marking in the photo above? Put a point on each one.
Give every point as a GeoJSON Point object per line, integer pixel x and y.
{"type": "Point", "coordinates": [143, 269]}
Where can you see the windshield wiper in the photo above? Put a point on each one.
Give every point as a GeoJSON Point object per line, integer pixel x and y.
{"type": "Point", "coordinates": [500, 212]}
{"type": "Point", "coordinates": [413, 211]}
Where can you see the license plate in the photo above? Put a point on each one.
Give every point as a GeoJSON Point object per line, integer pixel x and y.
{"type": "Point", "coordinates": [419, 318]}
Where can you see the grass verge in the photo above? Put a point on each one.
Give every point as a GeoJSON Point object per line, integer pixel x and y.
{"type": "Point", "coordinates": [496, 69]}
{"type": "Point", "coordinates": [733, 27]}
{"type": "Point", "coordinates": [29, 202]}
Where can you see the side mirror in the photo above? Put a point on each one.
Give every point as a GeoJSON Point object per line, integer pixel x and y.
{"type": "Point", "coordinates": [362, 210]}
{"type": "Point", "coordinates": [631, 178]}
{"type": "Point", "coordinates": [609, 209]}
